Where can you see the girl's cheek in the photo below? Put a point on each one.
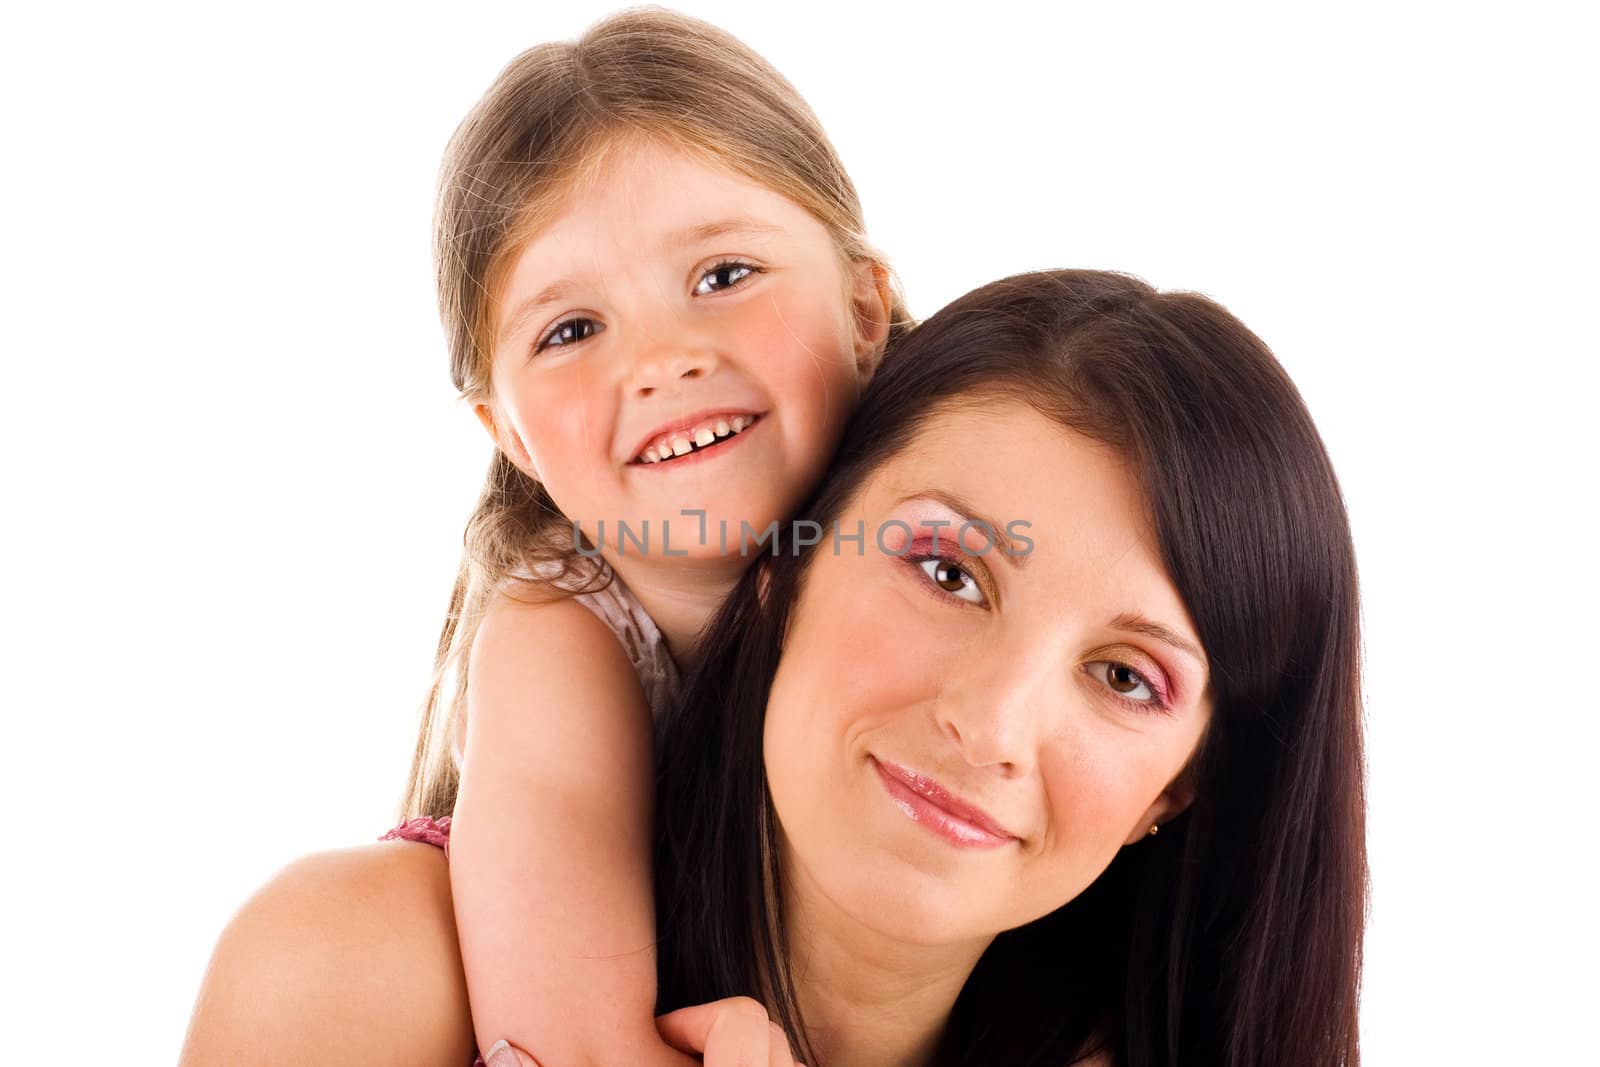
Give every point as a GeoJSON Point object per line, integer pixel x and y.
{"type": "Point", "coordinates": [800, 331]}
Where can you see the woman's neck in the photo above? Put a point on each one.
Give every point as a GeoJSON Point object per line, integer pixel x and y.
{"type": "Point", "coordinates": [867, 998]}
{"type": "Point", "coordinates": [680, 595]}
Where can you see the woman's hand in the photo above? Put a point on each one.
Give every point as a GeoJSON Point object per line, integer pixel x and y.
{"type": "Point", "coordinates": [734, 1032]}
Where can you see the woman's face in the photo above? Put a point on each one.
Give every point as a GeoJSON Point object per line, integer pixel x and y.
{"type": "Point", "coordinates": [956, 743]}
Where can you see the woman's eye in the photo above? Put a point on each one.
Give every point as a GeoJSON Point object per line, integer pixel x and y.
{"type": "Point", "coordinates": [723, 276]}
{"type": "Point", "coordinates": [568, 332]}
{"type": "Point", "coordinates": [1124, 681]}
{"type": "Point", "coordinates": [953, 579]}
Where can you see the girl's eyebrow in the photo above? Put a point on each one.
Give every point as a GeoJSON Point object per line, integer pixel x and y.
{"type": "Point", "coordinates": [706, 231]}
{"type": "Point", "coordinates": [550, 294]}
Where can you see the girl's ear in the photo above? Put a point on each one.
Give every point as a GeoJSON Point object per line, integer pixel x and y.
{"type": "Point", "coordinates": [871, 306]}
{"type": "Point", "coordinates": [505, 438]}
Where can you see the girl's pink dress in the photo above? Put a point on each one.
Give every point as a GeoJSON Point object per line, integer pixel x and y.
{"type": "Point", "coordinates": [647, 650]}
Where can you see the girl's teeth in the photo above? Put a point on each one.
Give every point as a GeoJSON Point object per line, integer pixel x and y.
{"type": "Point", "coordinates": [680, 444]}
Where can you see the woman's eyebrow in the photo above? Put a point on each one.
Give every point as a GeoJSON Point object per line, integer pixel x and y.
{"type": "Point", "coordinates": [1129, 622]}
{"type": "Point", "coordinates": [960, 505]}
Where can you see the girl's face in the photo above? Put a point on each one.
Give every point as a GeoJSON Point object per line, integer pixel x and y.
{"type": "Point", "coordinates": [957, 744]}
{"type": "Point", "coordinates": [670, 302]}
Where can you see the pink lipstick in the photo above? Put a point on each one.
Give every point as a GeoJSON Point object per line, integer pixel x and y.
{"type": "Point", "coordinates": [929, 804]}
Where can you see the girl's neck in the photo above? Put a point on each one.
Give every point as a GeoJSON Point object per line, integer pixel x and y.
{"type": "Point", "coordinates": [867, 998]}
{"type": "Point", "coordinates": [680, 595]}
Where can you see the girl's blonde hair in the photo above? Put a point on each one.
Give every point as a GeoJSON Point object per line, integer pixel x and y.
{"type": "Point", "coordinates": [542, 127]}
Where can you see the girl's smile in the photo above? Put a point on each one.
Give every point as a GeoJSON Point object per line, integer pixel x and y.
{"type": "Point", "coordinates": [685, 439]}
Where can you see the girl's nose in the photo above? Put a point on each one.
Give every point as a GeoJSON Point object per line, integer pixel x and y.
{"type": "Point", "coordinates": [664, 362]}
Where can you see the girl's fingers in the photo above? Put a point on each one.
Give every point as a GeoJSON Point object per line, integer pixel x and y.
{"type": "Point", "coordinates": [505, 1054]}
{"type": "Point", "coordinates": [685, 1029]}
{"type": "Point", "coordinates": [778, 1046]}
{"type": "Point", "coordinates": [727, 1033]}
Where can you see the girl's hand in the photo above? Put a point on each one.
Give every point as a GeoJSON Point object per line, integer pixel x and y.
{"type": "Point", "coordinates": [734, 1032]}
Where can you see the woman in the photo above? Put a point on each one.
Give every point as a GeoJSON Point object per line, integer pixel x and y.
{"type": "Point", "coordinates": [1079, 778]}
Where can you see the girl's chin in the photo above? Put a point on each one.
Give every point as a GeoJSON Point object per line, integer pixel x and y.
{"type": "Point", "coordinates": [699, 530]}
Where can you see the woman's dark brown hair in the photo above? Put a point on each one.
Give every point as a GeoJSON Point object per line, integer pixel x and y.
{"type": "Point", "coordinates": [1233, 937]}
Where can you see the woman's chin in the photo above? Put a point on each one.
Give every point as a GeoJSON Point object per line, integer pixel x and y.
{"type": "Point", "coordinates": [901, 897]}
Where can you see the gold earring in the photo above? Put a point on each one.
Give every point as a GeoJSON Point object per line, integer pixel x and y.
{"type": "Point", "coordinates": [1153, 828]}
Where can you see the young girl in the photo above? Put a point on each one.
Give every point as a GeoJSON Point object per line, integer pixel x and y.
{"type": "Point", "coordinates": [660, 302]}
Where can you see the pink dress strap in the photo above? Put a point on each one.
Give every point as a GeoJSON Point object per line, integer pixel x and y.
{"type": "Point", "coordinates": [424, 828]}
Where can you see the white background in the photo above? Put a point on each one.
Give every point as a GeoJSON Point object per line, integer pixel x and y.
{"type": "Point", "coordinates": [236, 477]}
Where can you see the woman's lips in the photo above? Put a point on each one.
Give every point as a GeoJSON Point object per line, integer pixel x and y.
{"type": "Point", "coordinates": [926, 802]}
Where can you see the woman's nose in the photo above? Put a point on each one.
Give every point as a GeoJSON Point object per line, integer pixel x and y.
{"type": "Point", "coordinates": [668, 358]}
{"type": "Point", "coordinates": [999, 717]}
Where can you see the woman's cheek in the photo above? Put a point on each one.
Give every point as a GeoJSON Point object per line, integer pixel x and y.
{"type": "Point", "coordinates": [1128, 784]}
{"type": "Point", "coordinates": [887, 661]}
{"type": "Point", "coordinates": [1091, 805]}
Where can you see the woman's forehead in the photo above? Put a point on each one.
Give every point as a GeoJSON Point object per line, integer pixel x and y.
{"type": "Point", "coordinates": [1004, 455]}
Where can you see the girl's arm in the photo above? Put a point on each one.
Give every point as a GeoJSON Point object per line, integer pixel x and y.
{"type": "Point", "coordinates": [550, 841]}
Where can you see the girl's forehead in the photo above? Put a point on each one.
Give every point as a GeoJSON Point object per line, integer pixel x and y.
{"type": "Point", "coordinates": [647, 185]}
{"type": "Point", "coordinates": [652, 201]}
{"type": "Point", "coordinates": [643, 203]}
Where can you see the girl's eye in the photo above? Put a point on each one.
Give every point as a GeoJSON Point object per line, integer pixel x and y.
{"type": "Point", "coordinates": [952, 578]}
{"type": "Point", "coordinates": [567, 332]}
{"type": "Point", "coordinates": [1128, 684]}
{"type": "Point", "coordinates": [723, 276]}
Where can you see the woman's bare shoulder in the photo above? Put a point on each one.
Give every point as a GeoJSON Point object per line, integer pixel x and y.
{"type": "Point", "coordinates": [346, 956]}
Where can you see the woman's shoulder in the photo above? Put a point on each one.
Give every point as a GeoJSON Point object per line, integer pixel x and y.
{"type": "Point", "coordinates": [310, 960]}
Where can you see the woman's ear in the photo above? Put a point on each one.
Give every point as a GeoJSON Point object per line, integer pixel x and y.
{"type": "Point", "coordinates": [1172, 802]}
{"type": "Point", "coordinates": [872, 309]}
{"type": "Point", "coordinates": [763, 579]}
{"type": "Point", "coordinates": [505, 437]}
